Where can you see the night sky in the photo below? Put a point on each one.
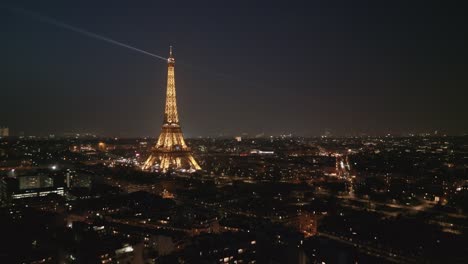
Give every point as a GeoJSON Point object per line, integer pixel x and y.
{"type": "Point", "coordinates": [272, 67]}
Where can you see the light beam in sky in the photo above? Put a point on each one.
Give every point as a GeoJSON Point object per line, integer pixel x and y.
{"type": "Point", "coordinates": [81, 31]}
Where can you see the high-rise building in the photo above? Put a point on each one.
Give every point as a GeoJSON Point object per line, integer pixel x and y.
{"type": "Point", "coordinates": [78, 179]}
{"type": "Point", "coordinates": [29, 186]}
{"type": "Point", "coordinates": [35, 182]}
{"type": "Point", "coordinates": [4, 132]}
{"type": "Point", "coordinates": [3, 190]}
{"type": "Point", "coordinates": [171, 151]}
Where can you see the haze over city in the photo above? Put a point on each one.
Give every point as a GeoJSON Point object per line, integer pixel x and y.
{"type": "Point", "coordinates": [262, 67]}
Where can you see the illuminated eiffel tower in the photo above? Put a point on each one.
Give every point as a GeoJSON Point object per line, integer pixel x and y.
{"type": "Point", "coordinates": [170, 151]}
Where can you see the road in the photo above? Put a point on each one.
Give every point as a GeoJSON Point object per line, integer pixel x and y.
{"type": "Point", "coordinates": [370, 250]}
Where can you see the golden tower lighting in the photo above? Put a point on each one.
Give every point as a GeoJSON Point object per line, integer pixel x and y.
{"type": "Point", "coordinates": [171, 151]}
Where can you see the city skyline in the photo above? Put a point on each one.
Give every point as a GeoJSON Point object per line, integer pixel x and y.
{"type": "Point", "coordinates": [299, 132]}
{"type": "Point", "coordinates": [373, 69]}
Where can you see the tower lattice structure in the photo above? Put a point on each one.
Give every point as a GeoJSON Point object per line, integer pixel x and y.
{"type": "Point", "coordinates": [171, 151]}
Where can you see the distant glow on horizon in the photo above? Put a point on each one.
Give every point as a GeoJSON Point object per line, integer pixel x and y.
{"type": "Point", "coordinates": [81, 31]}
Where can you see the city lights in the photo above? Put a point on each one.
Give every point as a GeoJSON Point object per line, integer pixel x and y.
{"type": "Point", "coordinates": [313, 132]}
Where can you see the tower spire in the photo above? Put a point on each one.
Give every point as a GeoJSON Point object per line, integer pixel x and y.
{"type": "Point", "coordinates": [170, 111]}
{"type": "Point", "coordinates": [171, 59]}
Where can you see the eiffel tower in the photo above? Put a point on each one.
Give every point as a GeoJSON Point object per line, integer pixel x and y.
{"type": "Point", "coordinates": [171, 151]}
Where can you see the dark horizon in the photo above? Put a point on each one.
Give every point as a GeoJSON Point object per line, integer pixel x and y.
{"type": "Point", "coordinates": [304, 68]}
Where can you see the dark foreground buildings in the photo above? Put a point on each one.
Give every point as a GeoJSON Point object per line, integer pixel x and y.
{"type": "Point", "coordinates": [258, 200]}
